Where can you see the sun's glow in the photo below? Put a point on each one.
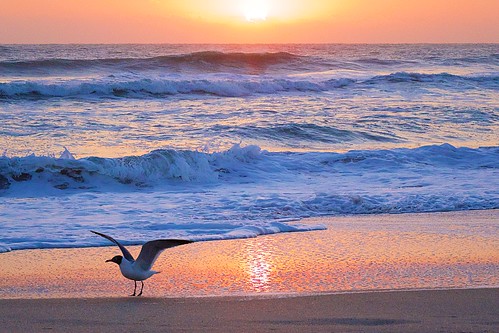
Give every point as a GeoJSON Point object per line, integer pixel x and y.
{"type": "Point", "coordinates": [256, 10]}
{"type": "Point", "coordinates": [248, 21]}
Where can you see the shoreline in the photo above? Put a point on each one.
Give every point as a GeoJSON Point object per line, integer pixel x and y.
{"type": "Point", "coordinates": [368, 253]}
{"type": "Point", "coordinates": [429, 272]}
{"type": "Point", "coordinates": [305, 220]}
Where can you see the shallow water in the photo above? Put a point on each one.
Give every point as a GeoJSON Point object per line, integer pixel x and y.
{"type": "Point", "coordinates": [361, 253]}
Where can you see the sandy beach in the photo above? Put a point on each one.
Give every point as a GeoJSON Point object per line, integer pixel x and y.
{"type": "Point", "coordinates": [408, 311]}
{"type": "Point", "coordinates": [382, 273]}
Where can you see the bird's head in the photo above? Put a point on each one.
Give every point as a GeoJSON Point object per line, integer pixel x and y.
{"type": "Point", "coordinates": [116, 259]}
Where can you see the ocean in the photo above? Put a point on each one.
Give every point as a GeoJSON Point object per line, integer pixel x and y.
{"type": "Point", "coordinates": [211, 142]}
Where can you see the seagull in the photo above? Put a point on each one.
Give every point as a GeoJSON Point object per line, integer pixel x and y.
{"type": "Point", "coordinates": [140, 269]}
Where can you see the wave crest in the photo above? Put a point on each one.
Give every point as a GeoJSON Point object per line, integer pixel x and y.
{"type": "Point", "coordinates": [168, 166]}
{"type": "Point", "coordinates": [227, 87]}
{"type": "Point", "coordinates": [155, 168]}
{"type": "Point", "coordinates": [206, 61]}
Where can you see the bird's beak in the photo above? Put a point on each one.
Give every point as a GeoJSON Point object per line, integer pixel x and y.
{"type": "Point", "coordinates": [109, 260]}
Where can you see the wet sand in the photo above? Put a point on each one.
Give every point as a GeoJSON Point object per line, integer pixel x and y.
{"type": "Point", "coordinates": [376, 252]}
{"type": "Point", "coordinates": [408, 311]}
{"type": "Point", "coordinates": [266, 283]}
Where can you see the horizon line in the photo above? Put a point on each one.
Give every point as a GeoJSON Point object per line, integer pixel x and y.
{"type": "Point", "coordinates": [292, 43]}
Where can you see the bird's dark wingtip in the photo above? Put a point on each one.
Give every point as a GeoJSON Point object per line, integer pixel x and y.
{"type": "Point", "coordinates": [183, 241]}
{"type": "Point", "coordinates": [100, 234]}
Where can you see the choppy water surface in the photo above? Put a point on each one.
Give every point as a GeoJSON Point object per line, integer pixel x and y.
{"type": "Point", "coordinates": [224, 141]}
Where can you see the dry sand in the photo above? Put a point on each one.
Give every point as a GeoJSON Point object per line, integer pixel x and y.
{"type": "Point", "coordinates": [403, 311]}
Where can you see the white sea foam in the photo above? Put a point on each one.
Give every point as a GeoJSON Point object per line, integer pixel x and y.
{"type": "Point", "coordinates": [241, 192]}
{"type": "Point", "coordinates": [225, 86]}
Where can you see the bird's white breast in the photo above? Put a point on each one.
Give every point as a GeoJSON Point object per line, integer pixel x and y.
{"type": "Point", "coordinates": [132, 271]}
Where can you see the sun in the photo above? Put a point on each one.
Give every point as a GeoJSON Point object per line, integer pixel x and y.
{"type": "Point", "coordinates": [256, 10]}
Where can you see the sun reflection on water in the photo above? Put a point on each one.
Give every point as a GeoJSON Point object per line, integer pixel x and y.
{"type": "Point", "coordinates": [258, 265]}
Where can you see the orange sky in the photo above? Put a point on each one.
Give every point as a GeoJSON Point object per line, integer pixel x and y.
{"type": "Point", "coordinates": [224, 21]}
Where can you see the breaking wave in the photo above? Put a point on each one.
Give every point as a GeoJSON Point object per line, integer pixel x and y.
{"type": "Point", "coordinates": [237, 193]}
{"type": "Point", "coordinates": [234, 86]}
{"type": "Point", "coordinates": [249, 164]}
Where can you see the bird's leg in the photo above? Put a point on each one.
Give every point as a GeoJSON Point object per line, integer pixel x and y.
{"type": "Point", "coordinates": [134, 289]}
{"type": "Point", "coordinates": [142, 288]}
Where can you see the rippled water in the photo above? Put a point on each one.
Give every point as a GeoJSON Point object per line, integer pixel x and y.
{"type": "Point", "coordinates": [361, 253]}
{"type": "Point", "coordinates": [227, 141]}
{"type": "Point", "coordinates": [119, 100]}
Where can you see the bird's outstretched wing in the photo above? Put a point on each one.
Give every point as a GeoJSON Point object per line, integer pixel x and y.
{"type": "Point", "coordinates": [151, 250]}
{"type": "Point", "coordinates": [123, 249]}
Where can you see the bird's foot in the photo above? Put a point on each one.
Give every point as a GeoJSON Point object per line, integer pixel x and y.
{"type": "Point", "coordinates": [133, 295]}
{"type": "Point", "coordinates": [141, 289]}
{"type": "Point", "coordinates": [134, 289]}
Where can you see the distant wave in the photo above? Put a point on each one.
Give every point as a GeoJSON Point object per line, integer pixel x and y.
{"type": "Point", "coordinates": [227, 87]}
{"type": "Point", "coordinates": [491, 59]}
{"type": "Point", "coordinates": [384, 62]}
{"type": "Point", "coordinates": [231, 62]}
{"type": "Point", "coordinates": [403, 77]}
{"type": "Point", "coordinates": [206, 61]}
{"type": "Point", "coordinates": [159, 87]}
{"type": "Point", "coordinates": [307, 132]}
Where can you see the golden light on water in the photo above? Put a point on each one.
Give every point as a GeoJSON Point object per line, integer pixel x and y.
{"type": "Point", "coordinates": [259, 265]}
{"type": "Point", "coordinates": [354, 253]}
